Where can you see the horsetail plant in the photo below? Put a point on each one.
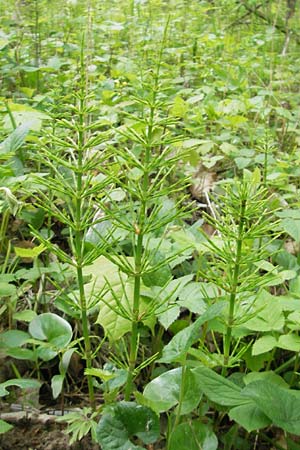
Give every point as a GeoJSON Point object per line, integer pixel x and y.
{"type": "Point", "coordinates": [70, 152]}
{"type": "Point", "coordinates": [245, 229]}
{"type": "Point", "coordinates": [146, 158]}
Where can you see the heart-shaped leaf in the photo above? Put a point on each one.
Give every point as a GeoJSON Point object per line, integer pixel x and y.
{"type": "Point", "coordinates": [164, 391]}
{"type": "Point", "coordinates": [51, 328]}
{"type": "Point", "coordinates": [122, 422]}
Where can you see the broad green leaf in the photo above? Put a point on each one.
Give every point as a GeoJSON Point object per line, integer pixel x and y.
{"type": "Point", "coordinates": [45, 352]}
{"type": "Point", "coordinates": [281, 405]}
{"type": "Point", "coordinates": [266, 266]}
{"type": "Point", "coordinates": [289, 342]}
{"type": "Point", "coordinates": [13, 338]}
{"type": "Point", "coordinates": [249, 416]}
{"type": "Point", "coordinates": [189, 143]}
{"type": "Point", "coordinates": [289, 213]}
{"type": "Point", "coordinates": [4, 39]}
{"type": "Point", "coordinates": [14, 141]}
{"type": "Point", "coordinates": [292, 445]}
{"type": "Point", "coordinates": [242, 162]}
{"type": "Point", "coordinates": [269, 315]}
{"type": "Point", "coordinates": [264, 344]}
{"type": "Point", "coordinates": [24, 114]}
{"type": "Point", "coordinates": [169, 295]}
{"type": "Point", "coordinates": [55, 63]}
{"type": "Point", "coordinates": [112, 434]}
{"type": "Point", "coordinates": [51, 328]}
{"type": "Point", "coordinates": [169, 316]}
{"type": "Point", "coordinates": [292, 227]}
{"type": "Point", "coordinates": [124, 421]}
{"type": "Point", "coordinates": [27, 315]}
{"type": "Point", "coordinates": [183, 340]}
{"type": "Point", "coordinates": [104, 375]}
{"type": "Point", "coordinates": [4, 426]}
{"type": "Point", "coordinates": [294, 287]}
{"type": "Point", "coordinates": [29, 252]}
{"type": "Point", "coordinates": [21, 353]}
{"type": "Point", "coordinates": [7, 289]}
{"type": "Point", "coordinates": [192, 296]}
{"type": "Point", "coordinates": [186, 239]}
{"type": "Point", "coordinates": [57, 382]}
{"type": "Point", "coordinates": [269, 376]}
{"type": "Point", "coordinates": [290, 303]}
{"type": "Point", "coordinates": [158, 277]}
{"type": "Point", "coordinates": [103, 271]}
{"type": "Point", "coordinates": [228, 149]}
{"type": "Point", "coordinates": [218, 389]}
{"type": "Point", "coordinates": [164, 391]}
{"type": "Point", "coordinates": [179, 108]}
{"type": "Point", "coordinates": [22, 383]}
{"type": "Point", "coordinates": [119, 377]}
{"type": "Point", "coordinates": [65, 361]}
{"type": "Point", "coordinates": [293, 321]}
{"type": "Point", "coordinates": [193, 435]}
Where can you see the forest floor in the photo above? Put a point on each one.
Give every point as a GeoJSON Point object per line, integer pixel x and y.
{"type": "Point", "coordinates": [31, 436]}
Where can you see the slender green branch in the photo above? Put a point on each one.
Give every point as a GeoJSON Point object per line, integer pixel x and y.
{"type": "Point", "coordinates": [181, 398]}
{"type": "Point", "coordinates": [235, 282]}
{"type": "Point", "coordinates": [79, 210]}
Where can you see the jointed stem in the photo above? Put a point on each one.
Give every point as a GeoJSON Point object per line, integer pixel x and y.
{"type": "Point", "coordinates": [235, 282]}
{"type": "Point", "coordinates": [135, 317]}
{"type": "Point", "coordinates": [180, 402]}
{"type": "Point", "coordinates": [138, 258]}
{"type": "Point", "coordinates": [79, 248]}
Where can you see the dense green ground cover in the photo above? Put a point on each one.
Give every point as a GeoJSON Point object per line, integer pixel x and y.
{"type": "Point", "coordinates": [150, 220]}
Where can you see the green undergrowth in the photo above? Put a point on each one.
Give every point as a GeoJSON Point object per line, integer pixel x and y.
{"type": "Point", "coordinates": [150, 221]}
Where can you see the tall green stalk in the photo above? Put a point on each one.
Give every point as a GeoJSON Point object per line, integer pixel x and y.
{"type": "Point", "coordinates": [244, 227]}
{"type": "Point", "coordinates": [235, 282]}
{"type": "Point", "coordinates": [65, 153]}
{"type": "Point", "coordinates": [148, 153]}
{"type": "Point", "coordinates": [79, 233]}
{"type": "Point", "coordinates": [138, 272]}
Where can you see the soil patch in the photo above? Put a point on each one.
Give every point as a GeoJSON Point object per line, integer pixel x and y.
{"type": "Point", "coordinates": [28, 436]}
